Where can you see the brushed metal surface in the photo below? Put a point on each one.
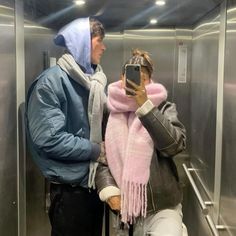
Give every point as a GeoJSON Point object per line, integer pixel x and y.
{"type": "Point", "coordinates": [8, 144]}
{"type": "Point", "coordinates": [112, 59]}
{"type": "Point", "coordinates": [228, 187]}
{"type": "Point", "coordinates": [204, 75]}
{"type": "Point", "coordinates": [203, 98]}
{"type": "Point", "coordinates": [160, 43]}
{"type": "Point", "coordinates": [37, 42]}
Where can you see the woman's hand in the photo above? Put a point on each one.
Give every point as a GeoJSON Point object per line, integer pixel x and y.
{"type": "Point", "coordinates": [114, 203]}
{"type": "Point", "coordinates": [138, 92]}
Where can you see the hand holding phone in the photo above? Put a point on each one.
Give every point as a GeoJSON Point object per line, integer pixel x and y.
{"type": "Point", "coordinates": [133, 83]}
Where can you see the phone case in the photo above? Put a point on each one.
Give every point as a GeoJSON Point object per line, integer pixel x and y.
{"type": "Point", "coordinates": [132, 73]}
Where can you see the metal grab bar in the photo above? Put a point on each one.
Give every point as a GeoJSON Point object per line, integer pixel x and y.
{"type": "Point", "coordinates": [214, 228]}
{"type": "Point", "coordinates": [212, 225]}
{"type": "Point", "coordinates": [204, 208]}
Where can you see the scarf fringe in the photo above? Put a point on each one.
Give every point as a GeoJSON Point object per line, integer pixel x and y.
{"type": "Point", "coordinates": [133, 201]}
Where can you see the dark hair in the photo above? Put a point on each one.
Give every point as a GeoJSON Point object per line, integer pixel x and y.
{"type": "Point", "coordinates": [96, 28]}
{"type": "Point", "coordinates": [142, 58]}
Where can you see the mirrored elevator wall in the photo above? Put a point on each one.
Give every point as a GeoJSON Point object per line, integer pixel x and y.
{"type": "Point", "coordinates": [213, 124]}
{"type": "Point", "coordinates": [205, 100]}
{"type": "Point", "coordinates": [200, 101]}
{"type": "Point", "coordinates": [8, 126]}
{"type": "Point", "coordinates": [205, 46]}
{"type": "Point", "coordinates": [227, 206]}
{"type": "Point", "coordinates": [163, 46]}
{"type": "Point", "coordinates": [40, 53]}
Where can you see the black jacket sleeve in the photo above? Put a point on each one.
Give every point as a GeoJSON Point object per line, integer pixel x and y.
{"type": "Point", "coordinates": [167, 132]}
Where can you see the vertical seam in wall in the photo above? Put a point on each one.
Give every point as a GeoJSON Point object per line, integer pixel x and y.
{"type": "Point", "coordinates": [175, 65]}
{"type": "Point", "coordinates": [219, 111]}
{"type": "Point", "coordinates": [20, 98]}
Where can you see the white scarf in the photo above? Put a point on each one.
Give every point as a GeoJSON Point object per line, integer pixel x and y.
{"type": "Point", "coordinates": [97, 99]}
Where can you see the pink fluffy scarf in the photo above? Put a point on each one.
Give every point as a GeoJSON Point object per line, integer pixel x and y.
{"type": "Point", "coordinates": [129, 148]}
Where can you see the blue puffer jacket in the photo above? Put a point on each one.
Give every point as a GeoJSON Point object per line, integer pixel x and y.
{"type": "Point", "coordinates": [58, 127]}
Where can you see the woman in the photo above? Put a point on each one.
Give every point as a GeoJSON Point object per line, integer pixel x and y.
{"type": "Point", "coordinates": [143, 134]}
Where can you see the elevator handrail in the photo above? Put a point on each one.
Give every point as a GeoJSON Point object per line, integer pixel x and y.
{"type": "Point", "coordinates": [214, 228]}
{"type": "Point", "coordinates": [204, 208]}
{"type": "Point", "coordinates": [212, 225]}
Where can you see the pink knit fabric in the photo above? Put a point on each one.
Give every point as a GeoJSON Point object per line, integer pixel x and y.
{"type": "Point", "coordinates": [129, 148]}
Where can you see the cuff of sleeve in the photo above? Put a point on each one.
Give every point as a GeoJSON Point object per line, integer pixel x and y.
{"type": "Point", "coordinates": [108, 192]}
{"type": "Point", "coordinates": [95, 153]}
{"type": "Point", "coordinates": [145, 108]}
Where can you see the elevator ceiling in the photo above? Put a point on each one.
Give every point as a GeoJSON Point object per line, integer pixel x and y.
{"type": "Point", "coordinates": [118, 15]}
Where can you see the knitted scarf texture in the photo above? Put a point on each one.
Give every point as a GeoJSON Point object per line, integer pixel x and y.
{"type": "Point", "coordinates": [129, 148]}
{"type": "Point", "coordinates": [97, 99]}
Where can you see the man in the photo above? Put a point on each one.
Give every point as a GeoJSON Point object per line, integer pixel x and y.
{"type": "Point", "coordinates": [64, 125]}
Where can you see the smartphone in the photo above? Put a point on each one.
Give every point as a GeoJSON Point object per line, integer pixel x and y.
{"type": "Point", "coordinates": [132, 73]}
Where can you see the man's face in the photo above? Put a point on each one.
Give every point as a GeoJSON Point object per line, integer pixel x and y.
{"type": "Point", "coordinates": [98, 49]}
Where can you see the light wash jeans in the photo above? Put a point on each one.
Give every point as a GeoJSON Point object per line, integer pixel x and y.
{"type": "Point", "coordinates": [166, 222]}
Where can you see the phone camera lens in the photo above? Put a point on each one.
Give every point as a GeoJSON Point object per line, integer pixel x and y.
{"type": "Point", "coordinates": [137, 68]}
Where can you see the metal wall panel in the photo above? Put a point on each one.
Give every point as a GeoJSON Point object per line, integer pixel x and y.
{"type": "Point", "coordinates": [204, 78]}
{"type": "Point", "coordinates": [163, 45]}
{"type": "Point", "coordinates": [228, 187]}
{"type": "Point", "coordinates": [38, 46]}
{"type": "Point", "coordinates": [181, 90]}
{"type": "Point", "coordinates": [38, 42]}
{"type": "Point", "coordinates": [203, 98]}
{"type": "Point", "coordinates": [160, 43]}
{"type": "Point", "coordinates": [20, 99]}
{"type": "Point", "coordinates": [8, 145]}
{"type": "Point", "coordinates": [112, 59]}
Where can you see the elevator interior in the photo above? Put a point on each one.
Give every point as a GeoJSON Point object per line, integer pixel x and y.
{"type": "Point", "coordinates": [193, 46]}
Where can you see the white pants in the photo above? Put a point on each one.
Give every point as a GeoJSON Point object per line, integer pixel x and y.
{"type": "Point", "coordinates": [166, 222]}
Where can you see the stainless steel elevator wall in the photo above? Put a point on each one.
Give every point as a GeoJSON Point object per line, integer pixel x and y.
{"type": "Point", "coordinates": [212, 122]}
{"type": "Point", "coordinates": [203, 114]}
{"type": "Point", "coordinates": [210, 62]}
{"type": "Point", "coordinates": [39, 47]}
{"type": "Point", "coordinates": [228, 186]}
{"type": "Point", "coordinates": [8, 117]}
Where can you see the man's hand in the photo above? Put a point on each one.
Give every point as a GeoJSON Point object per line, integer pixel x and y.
{"type": "Point", "coordinates": [102, 158]}
{"type": "Point", "coordinates": [114, 202]}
